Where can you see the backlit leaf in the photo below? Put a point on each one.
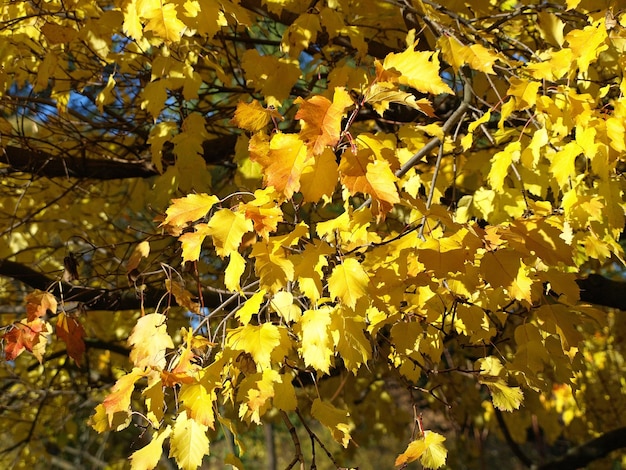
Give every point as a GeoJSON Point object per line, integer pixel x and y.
{"type": "Point", "coordinates": [348, 282]}
{"type": "Point", "coordinates": [188, 442]}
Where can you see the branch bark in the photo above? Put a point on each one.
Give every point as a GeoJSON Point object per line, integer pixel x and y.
{"type": "Point", "coordinates": [93, 298]}
{"type": "Point", "coordinates": [599, 290]}
{"type": "Point", "coordinates": [40, 163]}
{"type": "Point", "coordinates": [580, 456]}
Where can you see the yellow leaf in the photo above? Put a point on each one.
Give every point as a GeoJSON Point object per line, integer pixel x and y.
{"type": "Point", "coordinates": [321, 119]}
{"type": "Point", "coordinates": [587, 44]}
{"type": "Point", "coordinates": [226, 229]}
{"type": "Point", "coordinates": [428, 448]}
{"type": "Point", "coordinates": [188, 209]}
{"type": "Point", "coordinates": [335, 419]}
{"type": "Point", "coordinates": [253, 117]}
{"type": "Point", "coordinates": [349, 338]}
{"type": "Point", "coordinates": [316, 341]}
{"type": "Point", "coordinates": [162, 19]}
{"type": "Point", "coordinates": [505, 398]}
{"type": "Point", "coordinates": [319, 177]}
{"type": "Point", "coordinates": [500, 164]}
{"type": "Point", "coordinates": [301, 33]}
{"type": "Point", "coordinates": [149, 341]}
{"type": "Point", "coordinates": [191, 242]}
{"type": "Point", "coordinates": [418, 69]}
{"type": "Point", "coordinates": [525, 92]}
{"type": "Point", "coordinates": [142, 250]}
{"type": "Point", "coordinates": [234, 271]}
{"type": "Point", "coordinates": [57, 34]}
{"type": "Point", "coordinates": [282, 303]}
{"type": "Point", "coordinates": [118, 401]}
{"type": "Point", "coordinates": [188, 442]}
{"type": "Point", "coordinates": [504, 268]}
{"type": "Point", "coordinates": [287, 158]}
{"type": "Point", "coordinates": [183, 296]}
{"type": "Point", "coordinates": [476, 56]}
{"type": "Point", "coordinates": [148, 456]}
{"type": "Point", "coordinates": [348, 282]}
{"type": "Point", "coordinates": [250, 307]}
{"type": "Point", "coordinates": [257, 340]}
{"type": "Point", "coordinates": [199, 402]}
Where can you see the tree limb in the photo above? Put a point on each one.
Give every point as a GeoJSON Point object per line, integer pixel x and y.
{"type": "Point", "coordinates": [91, 297]}
{"type": "Point", "coordinates": [40, 163]}
{"type": "Point", "coordinates": [597, 289]}
{"type": "Point", "coordinates": [579, 457]}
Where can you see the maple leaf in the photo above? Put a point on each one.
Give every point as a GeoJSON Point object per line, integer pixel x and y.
{"type": "Point", "coordinates": [321, 119]}
{"type": "Point", "coordinates": [319, 177]}
{"type": "Point", "coordinates": [250, 307]}
{"type": "Point", "coordinates": [118, 401]}
{"type": "Point", "coordinates": [253, 117]}
{"type": "Point", "coordinates": [259, 341]}
{"type": "Point", "coordinates": [162, 19]}
{"type": "Point", "coordinates": [149, 341]}
{"type": "Point", "coordinates": [27, 335]}
{"type": "Point", "coordinates": [288, 156]}
{"type": "Point", "coordinates": [188, 442]}
{"type": "Point", "coordinates": [148, 456]}
{"type": "Point", "coordinates": [227, 229]}
{"type": "Point", "coordinates": [335, 420]}
{"type": "Point", "coordinates": [38, 303]}
{"type": "Point", "coordinates": [316, 340]}
{"type": "Point", "coordinates": [233, 272]}
{"type": "Point", "coordinates": [348, 282]}
{"type": "Point", "coordinates": [359, 175]}
{"type": "Point", "coordinates": [188, 209]}
{"type": "Point", "coordinates": [428, 448]}
{"type": "Point", "coordinates": [418, 69]}
{"type": "Point", "coordinates": [71, 332]}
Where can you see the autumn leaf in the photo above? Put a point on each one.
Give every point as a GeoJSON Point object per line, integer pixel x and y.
{"type": "Point", "coordinates": [142, 250]}
{"type": "Point", "coordinates": [226, 228]}
{"type": "Point", "coordinates": [428, 448]}
{"type": "Point", "coordinates": [348, 282]}
{"type": "Point", "coordinates": [321, 119]}
{"type": "Point", "coordinates": [259, 341]}
{"type": "Point", "coordinates": [188, 442]}
{"type": "Point", "coordinates": [418, 69]}
{"type": "Point", "coordinates": [119, 399]}
{"type": "Point", "coordinates": [189, 209]}
{"type": "Point", "coordinates": [38, 303]}
{"type": "Point", "coordinates": [27, 335]}
{"type": "Point", "coordinates": [288, 157]}
{"type": "Point", "coordinates": [334, 419]}
{"type": "Point", "coordinates": [149, 341]}
{"type": "Point", "coordinates": [71, 332]}
{"type": "Point", "coordinates": [148, 456]}
{"type": "Point", "coordinates": [375, 178]}
{"type": "Point", "coordinates": [316, 345]}
{"type": "Point", "coordinates": [253, 117]}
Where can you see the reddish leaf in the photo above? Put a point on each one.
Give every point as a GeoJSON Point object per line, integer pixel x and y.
{"type": "Point", "coordinates": [71, 332]}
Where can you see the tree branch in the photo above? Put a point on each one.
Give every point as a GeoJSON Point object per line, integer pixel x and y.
{"type": "Point", "coordinates": [599, 290]}
{"type": "Point", "coordinates": [93, 298]}
{"type": "Point", "coordinates": [580, 456]}
{"type": "Point", "coordinates": [40, 163]}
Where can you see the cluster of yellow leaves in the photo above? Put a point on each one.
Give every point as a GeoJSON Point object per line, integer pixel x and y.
{"type": "Point", "coordinates": [329, 281]}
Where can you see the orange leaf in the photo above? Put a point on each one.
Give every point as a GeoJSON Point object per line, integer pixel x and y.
{"type": "Point", "coordinates": [360, 175]}
{"type": "Point", "coordinates": [38, 303]}
{"type": "Point", "coordinates": [321, 119]}
{"type": "Point", "coordinates": [31, 336]}
{"type": "Point", "coordinates": [119, 398]}
{"type": "Point", "coordinates": [71, 333]}
{"type": "Point", "coordinates": [288, 157]}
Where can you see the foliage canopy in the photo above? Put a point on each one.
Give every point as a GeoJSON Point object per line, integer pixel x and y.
{"type": "Point", "coordinates": [338, 214]}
